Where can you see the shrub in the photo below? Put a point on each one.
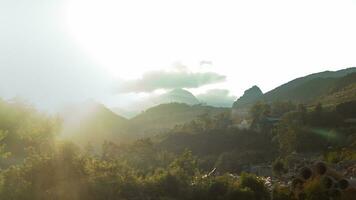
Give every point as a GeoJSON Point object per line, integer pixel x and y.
{"type": "Point", "coordinates": [256, 185]}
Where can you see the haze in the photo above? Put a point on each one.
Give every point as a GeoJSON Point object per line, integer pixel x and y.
{"type": "Point", "coordinates": [118, 52]}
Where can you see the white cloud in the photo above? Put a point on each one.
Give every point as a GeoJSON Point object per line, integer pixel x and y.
{"type": "Point", "coordinates": [154, 80]}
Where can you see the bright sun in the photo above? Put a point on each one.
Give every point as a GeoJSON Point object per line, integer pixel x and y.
{"type": "Point", "coordinates": [124, 38]}
{"type": "Point", "coordinates": [101, 30]}
{"type": "Point", "coordinates": [128, 38]}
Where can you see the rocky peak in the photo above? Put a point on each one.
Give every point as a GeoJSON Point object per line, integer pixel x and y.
{"type": "Point", "coordinates": [250, 96]}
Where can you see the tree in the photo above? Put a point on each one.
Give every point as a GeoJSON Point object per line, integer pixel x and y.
{"type": "Point", "coordinates": [317, 115]}
{"type": "Point", "coordinates": [3, 135]}
{"type": "Point", "coordinates": [278, 167]}
{"type": "Point", "coordinates": [260, 110]}
{"type": "Point", "coordinates": [303, 113]}
{"type": "Point", "coordinates": [256, 185]}
{"type": "Point", "coordinates": [318, 108]}
{"type": "Point", "coordinates": [185, 163]}
{"type": "Point", "coordinates": [286, 131]}
{"type": "Point", "coordinates": [279, 108]}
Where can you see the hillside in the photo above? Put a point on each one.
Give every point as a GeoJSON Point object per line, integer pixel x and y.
{"type": "Point", "coordinates": [306, 89]}
{"type": "Point", "coordinates": [309, 89]}
{"type": "Point", "coordinates": [343, 90]}
{"type": "Point", "coordinates": [93, 123]}
{"type": "Point", "coordinates": [165, 116]}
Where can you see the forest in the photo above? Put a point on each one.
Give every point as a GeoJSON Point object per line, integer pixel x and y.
{"type": "Point", "coordinates": [206, 158]}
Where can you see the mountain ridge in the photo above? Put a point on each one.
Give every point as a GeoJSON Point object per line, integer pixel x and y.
{"type": "Point", "coordinates": [304, 89]}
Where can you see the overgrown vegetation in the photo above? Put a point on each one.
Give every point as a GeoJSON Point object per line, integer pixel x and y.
{"type": "Point", "coordinates": [36, 164]}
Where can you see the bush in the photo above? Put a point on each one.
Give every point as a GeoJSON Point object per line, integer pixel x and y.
{"type": "Point", "coordinates": [281, 193]}
{"type": "Point", "coordinates": [314, 190]}
{"type": "Point", "coordinates": [256, 185]}
{"type": "Point", "coordinates": [278, 167]}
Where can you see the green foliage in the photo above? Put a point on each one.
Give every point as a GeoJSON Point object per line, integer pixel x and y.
{"type": "Point", "coordinates": [56, 175]}
{"type": "Point", "coordinates": [68, 174]}
{"type": "Point", "coordinates": [309, 131]}
{"type": "Point", "coordinates": [330, 88]}
{"type": "Point", "coordinates": [279, 167]}
{"type": "Point", "coordinates": [260, 110]}
{"type": "Point", "coordinates": [314, 190]}
{"type": "Point", "coordinates": [185, 164]}
{"type": "Point", "coordinates": [346, 109]}
{"type": "Point", "coordinates": [175, 166]}
{"type": "Point", "coordinates": [340, 155]}
{"type": "Point", "coordinates": [279, 108]}
{"type": "Point", "coordinates": [205, 123]}
{"type": "Point", "coordinates": [286, 132]}
{"type": "Point", "coordinates": [92, 123]}
{"type": "Point", "coordinates": [256, 185]}
{"type": "Point", "coordinates": [65, 172]}
{"type": "Point", "coordinates": [165, 116]}
{"type": "Point", "coordinates": [3, 153]}
{"type": "Point", "coordinates": [21, 127]}
{"type": "Point", "coordinates": [281, 193]}
{"type": "Point", "coordinates": [324, 86]}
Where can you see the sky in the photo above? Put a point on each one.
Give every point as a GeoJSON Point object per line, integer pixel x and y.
{"type": "Point", "coordinates": [121, 52]}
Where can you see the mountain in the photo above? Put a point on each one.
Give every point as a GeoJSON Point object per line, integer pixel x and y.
{"type": "Point", "coordinates": [173, 96]}
{"type": "Point", "coordinates": [127, 113]}
{"type": "Point", "coordinates": [342, 90]}
{"type": "Point", "coordinates": [250, 95]}
{"type": "Point", "coordinates": [165, 116]}
{"type": "Point", "coordinates": [91, 122]}
{"type": "Point", "coordinates": [242, 105]}
{"type": "Point", "coordinates": [309, 89]}
{"type": "Point", "coordinates": [306, 89]}
{"type": "Point", "coordinates": [177, 96]}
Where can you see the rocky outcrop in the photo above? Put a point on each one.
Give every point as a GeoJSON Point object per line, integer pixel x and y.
{"type": "Point", "coordinates": [249, 97]}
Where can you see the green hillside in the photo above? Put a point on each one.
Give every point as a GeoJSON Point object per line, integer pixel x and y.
{"type": "Point", "coordinates": [299, 88]}
{"type": "Point", "coordinates": [331, 87]}
{"type": "Point", "coordinates": [165, 116]}
{"type": "Point", "coordinates": [92, 123]}
{"type": "Point", "coordinates": [201, 155]}
{"type": "Point", "coordinates": [343, 90]}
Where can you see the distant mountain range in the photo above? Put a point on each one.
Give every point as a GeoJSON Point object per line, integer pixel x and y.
{"type": "Point", "coordinates": [91, 122]}
{"type": "Point", "coordinates": [173, 96]}
{"type": "Point", "coordinates": [94, 123]}
{"type": "Point", "coordinates": [214, 97]}
{"type": "Point", "coordinates": [330, 87]}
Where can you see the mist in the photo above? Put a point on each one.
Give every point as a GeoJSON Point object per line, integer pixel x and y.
{"type": "Point", "coordinates": [177, 100]}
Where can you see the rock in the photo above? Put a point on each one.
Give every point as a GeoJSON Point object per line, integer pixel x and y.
{"type": "Point", "coordinates": [249, 97]}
